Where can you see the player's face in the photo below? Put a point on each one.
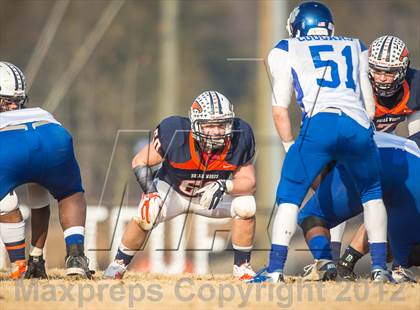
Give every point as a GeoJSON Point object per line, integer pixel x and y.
{"type": "Point", "coordinates": [214, 129]}
{"type": "Point", "coordinates": [214, 135]}
{"type": "Point", "coordinates": [383, 77]}
{"type": "Point", "coordinates": [8, 104]}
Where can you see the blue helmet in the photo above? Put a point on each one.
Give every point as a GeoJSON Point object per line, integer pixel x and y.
{"type": "Point", "coordinates": [310, 18]}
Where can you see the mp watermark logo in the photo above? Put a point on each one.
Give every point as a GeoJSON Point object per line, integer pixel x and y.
{"type": "Point", "coordinates": [189, 290]}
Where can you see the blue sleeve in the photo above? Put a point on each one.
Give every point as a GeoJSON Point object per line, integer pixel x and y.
{"type": "Point", "coordinates": [413, 80]}
{"type": "Point", "coordinates": [164, 134]}
{"type": "Point", "coordinates": [362, 46]}
{"type": "Point", "coordinates": [247, 142]}
{"type": "Point", "coordinates": [283, 45]}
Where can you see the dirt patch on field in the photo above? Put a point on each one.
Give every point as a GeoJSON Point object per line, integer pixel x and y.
{"type": "Point", "coordinates": [157, 291]}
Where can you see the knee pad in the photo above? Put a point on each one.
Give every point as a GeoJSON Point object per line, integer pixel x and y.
{"type": "Point", "coordinates": [9, 203]}
{"type": "Point", "coordinates": [312, 221]}
{"type": "Point", "coordinates": [244, 207]}
{"type": "Point", "coordinates": [149, 210]}
{"type": "Point", "coordinates": [37, 196]}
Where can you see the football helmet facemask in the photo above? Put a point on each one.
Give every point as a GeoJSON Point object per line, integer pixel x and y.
{"type": "Point", "coordinates": [211, 109]}
{"type": "Point", "coordinates": [388, 54]}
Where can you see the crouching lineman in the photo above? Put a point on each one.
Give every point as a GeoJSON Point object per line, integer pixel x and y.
{"type": "Point", "coordinates": [35, 148]}
{"type": "Point", "coordinates": [207, 169]}
{"type": "Point", "coordinates": [337, 199]}
{"type": "Point", "coordinates": [12, 232]}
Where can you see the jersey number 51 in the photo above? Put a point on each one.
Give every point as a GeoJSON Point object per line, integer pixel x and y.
{"type": "Point", "coordinates": [335, 78]}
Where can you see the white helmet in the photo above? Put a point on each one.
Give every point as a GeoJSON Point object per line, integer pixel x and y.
{"type": "Point", "coordinates": [211, 107]}
{"type": "Point", "coordinates": [12, 86]}
{"type": "Point", "coordinates": [388, 54]}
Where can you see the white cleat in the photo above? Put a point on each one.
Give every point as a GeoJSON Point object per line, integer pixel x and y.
{"type": "Point", "coordinates": [381, 276]}
{"type": "Point", "coordinates": [243, 272]}
{"type": "Point", "coordinates": [268, 277]}
{"type": "Point", "coordinates": [403, 275]}
{"type": "Point", "coordinates": [115, 270]}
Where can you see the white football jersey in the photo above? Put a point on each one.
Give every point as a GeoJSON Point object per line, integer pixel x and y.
{"type": "Point", "coordinates": [23, 116]}
{"type": "Point", "coordinates": [321, 68]}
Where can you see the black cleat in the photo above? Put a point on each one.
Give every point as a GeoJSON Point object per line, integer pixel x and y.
{"type": "Point", "coordinates": [36, 268]}
{"type": "Point", "coordinates": [77, 264]}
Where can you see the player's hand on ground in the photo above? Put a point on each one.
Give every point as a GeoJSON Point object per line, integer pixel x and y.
{"type": "Point", "coordinates": [148, 210]}
{"type": "Point", "coordinates": [212, 194]}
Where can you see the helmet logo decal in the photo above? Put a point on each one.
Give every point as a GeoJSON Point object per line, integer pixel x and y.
{"type": "Point", "coordinates": [404, 55]}
{"type": "Point", "coordinates": [197, 106]}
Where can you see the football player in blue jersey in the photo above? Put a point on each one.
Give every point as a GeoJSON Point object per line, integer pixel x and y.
{"type": "Point", "coordinates": [337, 199]}
{"type": "Point", "coordinates": [206, 169]}
{"type": "Point", "coordinates": [35, 148]}
{"type": "Point", "coordinates": [330, 76]}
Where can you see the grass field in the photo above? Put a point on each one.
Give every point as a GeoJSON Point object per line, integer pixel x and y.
{"type": "Point", "coordinates": [156, 291]}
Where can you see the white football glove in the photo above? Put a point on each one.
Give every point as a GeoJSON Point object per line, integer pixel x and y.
{"type": "Point", "coordinates": [149, 209]}
{"type": "Point", "coordinates": [212, 193]}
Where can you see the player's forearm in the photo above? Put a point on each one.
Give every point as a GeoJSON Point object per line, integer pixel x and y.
{"type": "Point", "coordinates": [141, 164]}
{"type": "Point", "coordinates": [367, 94]}
{"type": "Point", "coordinates": [283, 126]}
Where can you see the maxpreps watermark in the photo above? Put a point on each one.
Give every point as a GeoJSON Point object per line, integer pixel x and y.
{"type": "Point", "coordinates": [187, 290]}
{"type": "Point", "coordinates": [83, 293]}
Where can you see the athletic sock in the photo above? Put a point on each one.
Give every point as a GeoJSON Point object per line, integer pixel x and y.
{"type": "Point", "coordinates": [335, 250]}
{"type": "Point", "coordinates": [125, 254]}
{"type": "Point", "coordinates": [278, 256]}
{"type": "Point", "coordinates": [35, 251]}
{"type": "Point", "coordinates": [13, 236]}
{"type": "Point", "coordinates": [350, 257]}
{"type": "Point", "coordinates": [241, 254]}
{"type": "Point", "coordinates": [378, 255]}
{"type": "Point", "coordinates": [320, 247]}
{"type": "Point", "coordinates": [74, 238]}
{"type": "Point", "coordinates": [16, 250]}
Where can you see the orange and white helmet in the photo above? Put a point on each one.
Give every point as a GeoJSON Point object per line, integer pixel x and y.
{"type": "Point", "coordinates": [211, 107]}
{"type": "Point", "coordinates": [388, 54]}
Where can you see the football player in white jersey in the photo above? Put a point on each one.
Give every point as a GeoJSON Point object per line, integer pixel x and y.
{"type": "Point", "coordinates": [330, 77]}
{"type": "Point", "coordinates": [35, 148]}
